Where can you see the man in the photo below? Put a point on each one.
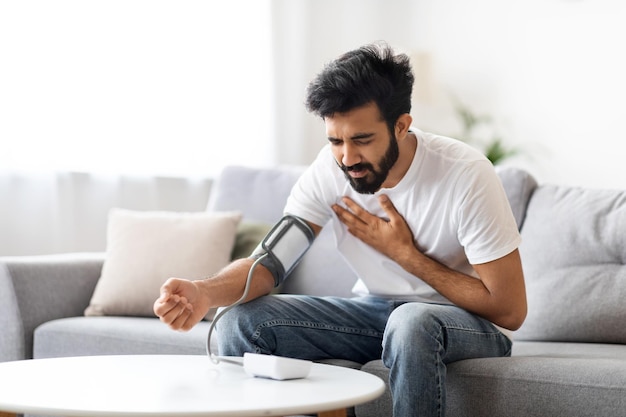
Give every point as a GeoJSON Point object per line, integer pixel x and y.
{"type": "Point", "coordinates": [423, 221]}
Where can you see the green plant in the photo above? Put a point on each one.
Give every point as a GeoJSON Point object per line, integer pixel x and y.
{"type": "Point", "coordinates": [493, 147]}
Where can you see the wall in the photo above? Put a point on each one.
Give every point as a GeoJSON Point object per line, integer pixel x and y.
{"type": "Point", "coordinates": [550, 74]}
{"type": "Point", "coordinates": [134, 87]}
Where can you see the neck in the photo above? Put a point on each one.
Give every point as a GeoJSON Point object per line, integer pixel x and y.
{"type": "Point", "coordinates": [407, 147]}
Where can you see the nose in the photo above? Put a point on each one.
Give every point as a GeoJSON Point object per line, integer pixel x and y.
{"type": "Point", "coordinates": [350, 155]}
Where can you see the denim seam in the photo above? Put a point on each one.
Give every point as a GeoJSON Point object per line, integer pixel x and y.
{"type": "Point", "coordinates": [439, 356]}
{"type": "Point", "coordinates": [311, 325]}
{"type": "Point", "coordinates": [495, 333]}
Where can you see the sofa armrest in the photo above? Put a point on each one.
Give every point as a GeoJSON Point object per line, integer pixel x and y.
{"type": "Point", "coordinates": [37, 289]}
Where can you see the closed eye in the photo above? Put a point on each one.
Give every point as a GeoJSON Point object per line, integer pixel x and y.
{"type": "Point", "coordinates": [358, 139]}
{"type": "Point", "coordinates": [363, 138]}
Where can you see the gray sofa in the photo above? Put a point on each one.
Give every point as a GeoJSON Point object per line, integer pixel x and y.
{"type": "Point", "coordinates": [569, 357]}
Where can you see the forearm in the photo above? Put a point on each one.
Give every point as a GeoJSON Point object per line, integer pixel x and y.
{"type": "Point", "coordinates": [463, 290]}
{"type": "Point", "coordinates": [501, 304]}
{"type": "Point", "coordinates": [227, 286]}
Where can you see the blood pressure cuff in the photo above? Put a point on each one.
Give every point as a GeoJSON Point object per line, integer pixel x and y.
{"type": "Point", "coordinates": [284, 246]}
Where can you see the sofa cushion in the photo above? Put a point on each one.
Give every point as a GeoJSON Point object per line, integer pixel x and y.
{"type": "Point", "coordinates": [83, 336]}
{"type": "Point", "coordinates": [574, 255]}
{"type": "Point", "coordinates": [570, 350]}
{"type": "Point", "coordinates": [528, 386]}
{"type": "Point", "coordinates": [524, 386]}
{"type": "Point", "coordinates": [144, 249]}
{"type": "Point", "coordinates": [249, 235]}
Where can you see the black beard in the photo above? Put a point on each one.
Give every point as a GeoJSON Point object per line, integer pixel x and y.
{"type": "Point", "coordinates": [370, 186]}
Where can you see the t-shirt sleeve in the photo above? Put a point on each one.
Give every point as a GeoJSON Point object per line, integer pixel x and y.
{"type": "Point", "coordinates": [487, 227]}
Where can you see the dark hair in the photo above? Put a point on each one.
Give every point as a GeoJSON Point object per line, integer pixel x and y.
{"type": "Point", "coordinates": [371, 73]}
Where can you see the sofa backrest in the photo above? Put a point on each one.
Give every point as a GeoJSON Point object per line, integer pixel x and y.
{"type": "Point", "coordinates": [574, 256]}
{"type": "Point", "coordinates": [518, 185]}
{"type": "Point", "coordinates": [258, 193]}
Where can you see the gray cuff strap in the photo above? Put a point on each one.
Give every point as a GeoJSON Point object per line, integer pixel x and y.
{"type": "Point", "coordinates": [272, 265]}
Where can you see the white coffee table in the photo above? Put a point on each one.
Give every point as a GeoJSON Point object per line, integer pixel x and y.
{"type": "Point", "coordinates": [173, 385]}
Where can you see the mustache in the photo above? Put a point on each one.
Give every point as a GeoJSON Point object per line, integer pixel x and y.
{"type": "Point", "coordinates": [356, 167]}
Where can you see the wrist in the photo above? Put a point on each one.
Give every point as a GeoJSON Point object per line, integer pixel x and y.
{"type": "Point", "coordinates": [412, 260]}
{"type": "Point", "coordinates": [203, 288]}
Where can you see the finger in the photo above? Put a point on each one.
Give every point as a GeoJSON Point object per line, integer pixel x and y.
{"type": "Point", "coordinates": [343, 215]}
{"type": "Point", "coordinates": [168, 293]}
{"type": "Point", "coordinates": [181, 322]}
{"type": "Point", "coordinates": [356, 209]}
{"type": "Point", "coordinates": [389, 208]}
{"type": "Point", "coordinates": [164, 302]}
{"type": "Point", "coordinates": [171, 312]}
{"type": "Point", "coordinates": [352, 222]}
{"type": "Point", "coordinates": [163, 305]}
{"type": "Point", "coordinates": [171, 286]}
{"type": "Point", "coordinates": [355, 212]}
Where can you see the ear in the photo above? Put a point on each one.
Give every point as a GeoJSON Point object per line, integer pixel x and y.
{"type": "Point", "coordinates": [403, 124]}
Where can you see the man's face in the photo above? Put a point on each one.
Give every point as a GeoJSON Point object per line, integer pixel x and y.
{"type": "Point", "coordinates": [363, 147]}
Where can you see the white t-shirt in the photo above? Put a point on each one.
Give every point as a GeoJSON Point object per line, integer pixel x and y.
{"type": "Point", "coordinates": [451, 198]}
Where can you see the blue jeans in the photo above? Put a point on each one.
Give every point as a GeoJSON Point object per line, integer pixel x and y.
{"type": "Point", "coordinates": [414, 340]}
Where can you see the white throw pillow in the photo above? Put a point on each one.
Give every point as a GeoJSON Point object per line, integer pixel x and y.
{"type": "Point", "coordinates": [145, 248]}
